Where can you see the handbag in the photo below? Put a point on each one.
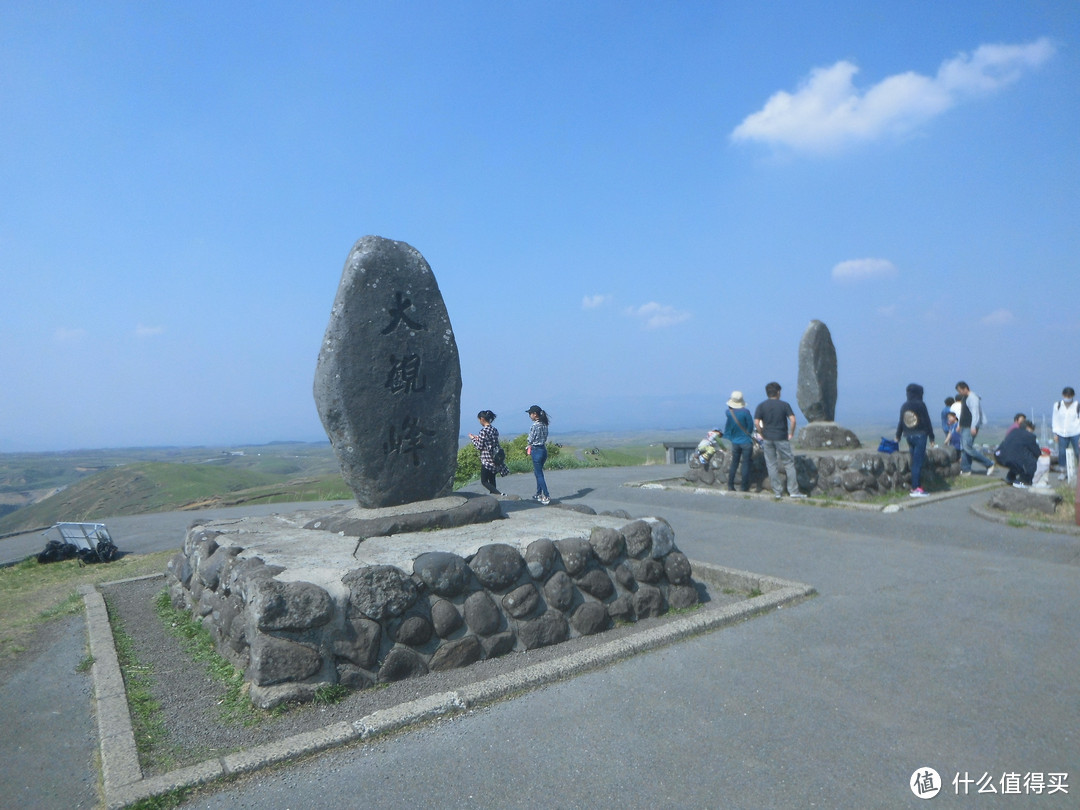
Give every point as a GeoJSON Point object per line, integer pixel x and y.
{"type": "Point", "coordinates": [888, 446]}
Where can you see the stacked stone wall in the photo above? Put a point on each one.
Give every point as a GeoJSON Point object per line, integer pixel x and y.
{"type": "Point", "coordinates": [385, 624]}
{"type": "Point", "coordinates": [858, 474]}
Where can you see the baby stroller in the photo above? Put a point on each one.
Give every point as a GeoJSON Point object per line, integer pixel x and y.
{"type": "Point", "coordinates": [90, 542]}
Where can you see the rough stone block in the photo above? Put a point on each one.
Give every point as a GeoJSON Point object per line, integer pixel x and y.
{"type": "Point", "coordinates": [597, 583]}
{"type": "Point", "coordinates": [559, 591]}
{"type": "Point", "coordinates": [638, 536]}
{"type": "Point", "coordinates": [590, 618]}
{"type": "Point", "coordinates": [445, 618]}
{"type": "Point", "coordinates": [521, 601]}
{"type": "Point", "coordinates": [380, 591]}
{"type": "Point", "coordinates": [497, 566]}
{"type": "Point", "coordinates": [289, 605]}
{"type": "Point", "coordinates": [481, 614]}
{"type": "Point", "coordinates": [540, 558]}
{"type": "Point", "coordinates": [576, 553]}
{"type": "Point", "coordinates": [444, 574]}
{"type": "Point", "coordinates": [648, 601]}
{"type": "Point", "coordinates": [607, 544]}
{"type": "Point", "coordinates": [401, 663]}
{"type": "Point", "coordinates": [543, 631]}
{"type": "Point", "coordinates": [454, 654]}
{"type": "Point", "coordinates": [276, 660]}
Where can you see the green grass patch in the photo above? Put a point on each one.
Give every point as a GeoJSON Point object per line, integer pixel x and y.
{"type": "Point", "coordinates": [236, 706]}
{"type": "Point", "coordinates": [165, 801]}
{"type": "Point", "coordinates": [330, 694]}
{"type": "Point", "coordinates": [560, 457]}
{"type": "Point", "coordinates": [33, 594]}
{"type": "Point", "coordinates": [147, 718]}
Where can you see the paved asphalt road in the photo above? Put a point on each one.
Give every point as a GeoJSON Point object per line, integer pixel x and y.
{"type": "Point", "coordinates": [937, 640]}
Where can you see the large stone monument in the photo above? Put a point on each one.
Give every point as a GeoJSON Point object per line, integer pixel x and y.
{"type": "Point", "coordinates": [388, 380]}
{"type": "Point", "coordinates": [816, 393]}
{"type": "Point", "coordinates": [371, 593]}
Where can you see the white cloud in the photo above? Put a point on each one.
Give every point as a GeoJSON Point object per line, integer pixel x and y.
{"type": "Point", "coordinates": [999, 317]}
{"type": "Point", "coordinates": [594, 301]}
{"type": "Point", "coordinates": [64, 334]}
{"type": "Point", "coordinates": [827, 111]}
{"type": "Point", "coordinates": [657, 316]}
{"type": "Point", "coordinates": [142, 331]}
{"type": "Point", "coordinates": [863, 269]}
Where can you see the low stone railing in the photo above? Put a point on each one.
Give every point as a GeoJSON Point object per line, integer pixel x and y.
{"type": "Point", "coordinates": [858, 474]}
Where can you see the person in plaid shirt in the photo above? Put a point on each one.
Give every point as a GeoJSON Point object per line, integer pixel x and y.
{"type": "Point", "coordinates": [486, 441]}
{"type": "Point", "coordinates": [538, 436]}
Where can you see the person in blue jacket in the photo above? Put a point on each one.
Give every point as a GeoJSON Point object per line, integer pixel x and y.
{"type": "Point", "coordinates": [739, 430]}
{"type": "Point", "coordinates": [916, 427]}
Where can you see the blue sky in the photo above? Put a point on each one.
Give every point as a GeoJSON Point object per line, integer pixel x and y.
{"type": "Point", "coordinates": [631, 208]}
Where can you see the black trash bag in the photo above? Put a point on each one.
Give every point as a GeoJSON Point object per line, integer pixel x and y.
{"type": "Point", "coordinates": [57, 550]}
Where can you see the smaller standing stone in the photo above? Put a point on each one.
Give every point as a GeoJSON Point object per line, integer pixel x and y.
{"type": "Point", "coordinates": [816, 391]}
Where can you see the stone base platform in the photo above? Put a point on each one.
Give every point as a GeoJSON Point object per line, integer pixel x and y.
{"type": "Point", "coordinates": [300, 603]}
{"type": "Point", "coordinates": [827, 436]}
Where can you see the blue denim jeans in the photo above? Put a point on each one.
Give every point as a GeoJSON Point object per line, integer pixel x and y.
{"type": "Point", "coordinates": [539, 456]}
{"type": "Point", "coordinates": [740, 453]}
{"type": "Point", "coordinates": [968, 452]}
{"type": "Point", "coordinates": [917, 445]}
{"type": "Point", "coordinates": [1063, 445]}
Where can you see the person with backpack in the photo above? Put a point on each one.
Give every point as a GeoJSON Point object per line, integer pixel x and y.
{"type": "Point", "coordinates": [1066, 426]}
{"type": "Point", "coordinates": [492, 455]}
{"type": "Point", "coordinates": [916, 427]}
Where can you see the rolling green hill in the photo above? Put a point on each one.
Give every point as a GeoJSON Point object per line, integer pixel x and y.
{"type": "Point", "coordinates": [147, 487]}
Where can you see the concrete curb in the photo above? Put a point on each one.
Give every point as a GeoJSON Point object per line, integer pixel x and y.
{"type": "Point", "coordinates": [1014, 519]}
{"type": "Point", "coordinates": [889, 508]}
{"type": "Point", "coordinates": [119, 756]}
{"type": "Point", "coordinates": [123, 780]}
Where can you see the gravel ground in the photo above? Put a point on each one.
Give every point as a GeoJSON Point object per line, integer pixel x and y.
{"type": "Point", "coordinates": [189, 698]}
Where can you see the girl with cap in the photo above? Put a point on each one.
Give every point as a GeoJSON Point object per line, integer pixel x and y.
{"type": "Point", "coordinates": [538, 436]}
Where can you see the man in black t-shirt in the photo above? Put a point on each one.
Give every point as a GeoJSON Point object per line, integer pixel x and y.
{"type": "Point", "coordinates": [776, 422]}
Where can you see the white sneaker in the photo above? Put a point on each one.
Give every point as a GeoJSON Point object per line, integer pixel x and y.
{"type": "Point", "coordinates": [545, 500]}
{"type": "Point", "coordinates": [796, 495]}
{"type": "Point", "coordinates": [1020, 485]}
{"type": "Point", "coordinates": [990, 469]}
